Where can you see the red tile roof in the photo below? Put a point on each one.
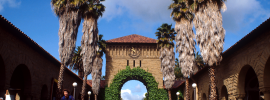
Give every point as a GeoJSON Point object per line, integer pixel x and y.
{"type": "Point", "coordinates": [176, 84]}
{"type": "Point", "coordinates": [134, 38]}
{"type": "Point", "coordinates": [102, 83]}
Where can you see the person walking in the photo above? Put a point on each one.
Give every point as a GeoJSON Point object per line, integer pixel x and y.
{"type": "Point", "coordinates": [66, 95]}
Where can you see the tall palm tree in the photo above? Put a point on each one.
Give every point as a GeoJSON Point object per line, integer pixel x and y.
{"type": "Point", "coordinates": [97, 66]}
{"type": "Point", "coordinates": [69, 20]}
{"type": "Point", "coordinates": [199, 60]}
{"type": "Point", "coordinates": [177, 70]}
{"type": "Point", "coordinates": [182, 14]}
{"type": "Point", "coordinates": [166, 35]}
{"type": "Point", "coordinates": [91, 11]}
{"type": "Point", "coordinates": [210, 36]}
{"type": "Point", "coordinates": [77, 63]}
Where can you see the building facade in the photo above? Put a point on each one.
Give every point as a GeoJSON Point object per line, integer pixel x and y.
{"type": "Point", "coordinates": [243, 74]}
{"type": "Point", "coordinates": [134, 51]}
{"type": "Point", "coordinates": [27, 70]}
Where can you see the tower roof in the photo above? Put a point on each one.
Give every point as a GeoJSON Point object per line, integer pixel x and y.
{"type": "Point", "coordinates": [134, 38]}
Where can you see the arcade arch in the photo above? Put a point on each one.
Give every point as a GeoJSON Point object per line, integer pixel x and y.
{"type": "Point", "coordinates": [44, 93]}
{"type": "Point", "coordinates": [21, 82]}
{"type": "Point", "coordinates": [266, 78]}
{"type": "Point", "coordinates": [2, 77]}
{"type": "Point", "coordinates": [204, 96]}
{"type": "Point", "coordinates": [248, 84]}
{"type": "Point", "coordinates": [224, 93]}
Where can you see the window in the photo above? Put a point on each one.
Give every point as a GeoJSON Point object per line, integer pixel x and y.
{"type": "Point", "coordinates": [140, 63]}
{"type": "Point", "coordinates": [127, 63]}
{"type": "Point", "coordinates": [133, 63]}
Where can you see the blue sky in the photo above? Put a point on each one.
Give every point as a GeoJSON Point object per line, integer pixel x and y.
{"type": "Point", "coordinates": [124, 17]}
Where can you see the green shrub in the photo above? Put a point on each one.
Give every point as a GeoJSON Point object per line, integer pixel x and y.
{"type": "Point", "coordinates": [113, 92]}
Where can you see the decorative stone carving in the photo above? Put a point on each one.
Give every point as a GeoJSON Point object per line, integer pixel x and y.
{"type": "Point", "coordinates": [134, 51]}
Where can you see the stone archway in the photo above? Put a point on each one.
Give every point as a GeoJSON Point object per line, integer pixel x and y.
{"type": "Point", "coordinates": [248, 84]}
{"type": "Point", "coordinates": [44, 93]}
{"type": "Point", "coordinates": [266, 78]}
{"type": "Point", "coordinates": [2, 77]}
{"type": "Point", "coordinates": [204, 96]}
{"type": "Point", "coordinates": [224, 93]}
{"type": "Point", "coordinates": [113, 92]}
{"type": "Point", "coordinates": [20, 82]}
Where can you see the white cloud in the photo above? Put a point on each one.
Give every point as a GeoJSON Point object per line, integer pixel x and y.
{"type": "Point", "coordinates": [127, 95]}
{"type": "Point", "coordinates": [141, 14]}
{"type": "Point", "coordinates": [241, 13]}
{"type": "Point", "coordinates": [138, 88]}
{"type": "Point", "coordinates": [10, 3]}
{"type": "Point", "coordinates": [147, 10]}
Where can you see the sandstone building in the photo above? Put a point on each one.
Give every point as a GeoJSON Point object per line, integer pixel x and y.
{"type": "Point", "coordinates": [134, 51]}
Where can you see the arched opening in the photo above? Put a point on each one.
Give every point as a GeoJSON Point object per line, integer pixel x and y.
{"type": "Point", "coordinates": [224, 93]}
{"type": "Point", "coordinates": [204, 96]}
{"type": "Point", "coordinates": [133, 93]}
{"type": "Point", "coordinates": [44, 93]}
{"type": "Point", "coordinates": [2, 77]}
{"type": "Point", "coordinates": [266, 80]}
{"type": "Point", "coordinates": [248, 84]}
{"type": "Point", "coordinates": [266, 76]}
{"type": "Point", "coordinates": [20, 83]}
{"type": "Point", "coordinates": [53, 89]}
{"type": "Point", "coordinates": [114, 90]}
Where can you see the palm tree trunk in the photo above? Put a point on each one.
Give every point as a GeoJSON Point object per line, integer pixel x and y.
{"type": "Point", "coordinates": [60, 81]}
{"type": "Point", "coordinates": [169, 92]}
{"type": "Point", "coordinates": [84, 86]}
{"type": "Point", "coordinates": [187, 89]}
{"type": "Point", "coordinates": [95, 97]}
{"type": "Point", "coordinates": [213, 93]}
{"type": "Point", "coordinates": [68, 29]}
{"type": "Point", "coordinates": [81, 74]}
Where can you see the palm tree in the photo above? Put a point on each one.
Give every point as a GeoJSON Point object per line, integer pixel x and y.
{"type": "Point", "coordinates": [182, 14]}
{"type": "Point", "coordinates": [91, 11]}
{"type": "Point", "coordinates": [97, 66]}
{"type": "Point", "coordinates": [199, 60]}
{"type": "Point", "coordinates": [166, 35]}
{"type": "Point", "coordinates": [77, 64]}
{"type": "Point", "coordinates": [69, 20]}
{"type": "Point", "coordinates": [177, 70]}
{"type": "Point", "coordinates": [210, 36]}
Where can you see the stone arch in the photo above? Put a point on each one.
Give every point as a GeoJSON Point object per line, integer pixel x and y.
{"type": "Point", "coordinates": [241, 79]}
{"type": "Point", "coordinates": [255, 62]}
{"type": "Point", "coordinates": [204, 97]}
{"type": "Point", "coordinates": [44, 92]}
{"type": "Point", "coordinates": [2, 77]}
{"type": "Point", "coordinates": [248, 84]}
{"type": "Point", "coordinates": [21, 82]}
{"type": "Point", "coordinates": [266, 76]}
{"type": "Point", "coordinates": [224, 93]}
{"type": "Point", "coordinates": [113, 92]}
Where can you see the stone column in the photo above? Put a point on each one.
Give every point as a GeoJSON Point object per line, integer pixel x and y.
{"type": "Point", "coordinates": [266, 92]}
{"type": "Point", "coordinates": [240, 97]}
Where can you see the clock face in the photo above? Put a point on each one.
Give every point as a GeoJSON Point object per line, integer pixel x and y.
{"type": "Point", "coordinates": [134, 51]}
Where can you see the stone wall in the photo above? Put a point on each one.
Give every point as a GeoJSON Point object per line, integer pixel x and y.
{"type": "Point", "coordinates": [118, 56]}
